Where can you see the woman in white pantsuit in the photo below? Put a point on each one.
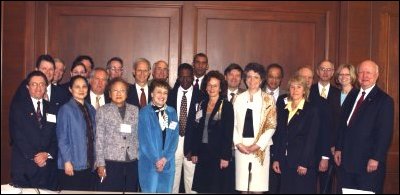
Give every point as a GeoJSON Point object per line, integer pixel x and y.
{"type": "Point", "coordinates": [255, 122]}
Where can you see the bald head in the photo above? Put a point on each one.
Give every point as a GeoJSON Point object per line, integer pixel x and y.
{"type": "Point", "coordinates": [368, 73]}
{"type": "Point", "coordinates": [307, 73]}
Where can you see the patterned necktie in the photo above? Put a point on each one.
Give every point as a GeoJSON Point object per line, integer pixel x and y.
{"type": "Point", "coordinates": [183, 115]}
{"type": "Point", "coordinates": [196, 85]}
{"type": "Point", "coordinates": [232, 96]}
{"type": "Point", "coordinates": [142, 99]}
{"type": "Point", "coordinates": [98, 102]}
{"type": "Point", "coordinates": [359, 102]}
{"type": "Point", "coordinates": [39, 114]}
{"type": "Point", "coordinates": [323, 93]}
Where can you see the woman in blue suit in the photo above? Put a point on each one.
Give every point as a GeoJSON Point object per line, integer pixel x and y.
{"type": "Point", "coordinates": [75, 134]}
{"type": "Point", "coordinates": [158, 139]}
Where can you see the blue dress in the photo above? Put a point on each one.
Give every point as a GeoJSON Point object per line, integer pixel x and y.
{"type": "Point", "coordinates": [151, 150]}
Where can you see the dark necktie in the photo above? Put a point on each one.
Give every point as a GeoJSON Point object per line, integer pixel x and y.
{"type": "Point", "coordinates": [196, 85]}
{"type": "Point", "coordinates": [232, 96]}
{"type": "Point", "coordinates": [142, 99]}
{"type": "Point", "coordinates": [89, 137]}
{"type": "Point", "coordinates": [271, 93]}
{"type": "Point", "coordinates": [183, 115]}
{"type": "Point", "coordinates": [39, 114]}
{"type": "Point", "coordinates": [359, 102]}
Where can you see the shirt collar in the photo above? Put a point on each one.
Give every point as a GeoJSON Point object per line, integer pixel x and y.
{"type": "Point", "coordinates": [300, 106]}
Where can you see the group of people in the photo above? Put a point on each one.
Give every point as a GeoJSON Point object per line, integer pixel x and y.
{"type": "Point", "coordinates": [98, 132]}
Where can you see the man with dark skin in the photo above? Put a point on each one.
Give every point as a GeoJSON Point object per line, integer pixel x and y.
{"type": "Point", "coordinates": [184, 98]}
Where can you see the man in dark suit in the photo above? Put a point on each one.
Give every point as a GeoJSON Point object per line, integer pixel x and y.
{"type": "Point", "coordinates": [184, 98]}
{"type": "Point", "coordinates": [365, 133]}
{"type": "Point", "coordinates": [233, 76]}
{"type": "Point", "coordinates": [33, 137]}
{"type": "Point", "coordinates": [55, 94]}
{"type": "Point", "coordinates": [330, 95]}
{"type": "Point", "coordinates": [97, 95]}
{"type": "Point", "coordinates": [139, 93]}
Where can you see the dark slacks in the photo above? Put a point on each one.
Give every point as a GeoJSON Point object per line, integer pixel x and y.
{"type": "Point", "coordinates": [83, 180]}
{"type": "Point", "coordinates": [293, 183]}
{"type": "Point", "coordinates": [326, 178]}
{"type": "Point", "coordinates": [363, 181]}
{"type": "Point", "coordinates": [121, 177]}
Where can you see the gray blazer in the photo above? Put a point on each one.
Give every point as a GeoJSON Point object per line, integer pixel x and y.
{"type": "Point", "coordinates": [111, 143]}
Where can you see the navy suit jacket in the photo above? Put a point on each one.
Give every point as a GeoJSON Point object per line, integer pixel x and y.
{"type": "Point", "coordinates": [133, 96]}
{"type": "Point", "coordinates": [58, 95]}
{"type": "Point", "coordinates": [324, 125]}
{"type": "Point", "coordinates": [298, 137]}
{"type": "Point", "coordinates": [370, 133]}
{"type": "Point", "coordinates": [220, 131]}
{"type": "Point", "coordinates": [191, 116]}
{"type": "Point", "coordinates": [28, 139]}
{"type": "Point", "coordinates": [333, 100]}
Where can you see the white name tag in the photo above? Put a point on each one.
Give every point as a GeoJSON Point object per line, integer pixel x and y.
{"type": "Point", "coordinates": [126, 128]}
{"type": "Point", "coordinates": [51, 118]}
{"type": "Point", "coordinates": [172, 125]}
{"type": "Point", "coordinates": [199, 114]}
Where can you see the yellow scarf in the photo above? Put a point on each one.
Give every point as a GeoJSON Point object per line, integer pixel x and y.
{"type": "Point", "coordinates": [268, 116]}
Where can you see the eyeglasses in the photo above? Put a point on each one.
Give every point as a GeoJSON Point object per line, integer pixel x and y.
{"type": "Point", "coordinates": [326, 69]}
{"type": "Point", "coordinates": [123, 91]}
{"type": "Point", "coordinates": [117, 69]}
{"type": "Point", "coordinates": [344, 75]}
{"type": "Point", "coordinates": [37, 84]}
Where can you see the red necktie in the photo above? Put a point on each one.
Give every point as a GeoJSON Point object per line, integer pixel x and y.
{"type": "Point", "coordinates": [359, 102]}
{"type": "Point", "coordinates": [143, 101]}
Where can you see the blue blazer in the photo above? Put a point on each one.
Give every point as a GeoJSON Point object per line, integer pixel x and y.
{"type": "Point", "coordinates": [299, 137]}
{"type": "Point", "coordinates": [71, 134]}
{"type": "Point", "coordinates": [150, 150]}
{"type": "Point", "coordinates": [370, 133]}
{"type": "Point", "coordinates": [28, 139]}
{"type": "Point", "coordinates": [191, 117]}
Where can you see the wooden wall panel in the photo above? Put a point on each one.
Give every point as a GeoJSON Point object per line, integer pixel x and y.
{"type": "Point", "coordinates": [273, 35]}
{"type": "Point", "coordinates": [289, 33]}
{"type": "Point", "coordinates": [103, 32]}
{"type": "Point", "coordinates": [13, 63]}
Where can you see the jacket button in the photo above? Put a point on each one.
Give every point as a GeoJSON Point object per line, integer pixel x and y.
{"type": "Point", "coordinates": [127, 147]}
{"type": "Point", "coordinates": [124, 137]}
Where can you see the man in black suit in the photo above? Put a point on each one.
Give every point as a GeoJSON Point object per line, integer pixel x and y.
{"type": "Point", "coordinates": [331, 95]}
{"type": "Point", "coordinates": [365, 133]}
{"type": "Point", "coordinates": [98, 96]}
{"type": "Point", "coordinates": [55, 94]}
{"type": "Point", "coordinates": [139, 93]}
{"type": "Point", "coordinates": [33, 137]}
{"type": "Point", "coordinates": [184, 88]}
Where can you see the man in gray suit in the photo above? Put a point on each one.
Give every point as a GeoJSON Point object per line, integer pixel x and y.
{"type": "Point", "coordinates": [273, 81]}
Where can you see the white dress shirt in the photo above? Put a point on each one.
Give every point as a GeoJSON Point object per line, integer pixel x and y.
{"type": "Point", "coordinates": [139, 92]}
{"type": "Point", "coordinates": [93, 99]}
{"type": "Point", "coordinates": [276, 93]}
{"type": "Point", "coordinates": [200, 81]}
{"type": "Point", "coordinates": [34, 101]}
{"type": "Point", "coordinates": [48, 89]}
{"type": "Point", "coordinates": [188, 95]}
{"type": "Point", "coordinates": [229, 93]}
{"type": "Point", "coordinates": [358, 97]}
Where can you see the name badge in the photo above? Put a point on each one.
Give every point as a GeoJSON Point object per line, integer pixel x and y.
{"type": "Point", "coordinates": [51, 118]}
{"type": "Point", "coordinates": [199, 114]}
{"type": "Point", "coordinates": [126, 128]}
{"type": "Point", "coordinates": [172, 125]}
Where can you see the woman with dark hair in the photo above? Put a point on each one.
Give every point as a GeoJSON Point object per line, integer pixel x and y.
{"type": "Point", "coordinates": [158, 139]}
{"type": "Point", "coordinates": [117, 140]}
{"type": "Point", "coordinates": [75, 133]}
{"type": "Point", "coordinates": [255, 122]}
{"type": "Point", "coordinates": [212, 139]}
